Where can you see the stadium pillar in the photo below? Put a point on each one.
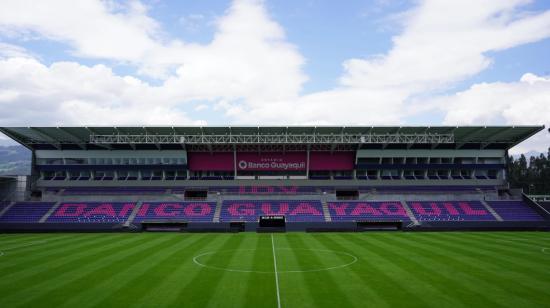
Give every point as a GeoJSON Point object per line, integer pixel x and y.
{"type": "Point", "coordinates": [307, 162]}
{"type": "Point", "coordinates": [235, 161]}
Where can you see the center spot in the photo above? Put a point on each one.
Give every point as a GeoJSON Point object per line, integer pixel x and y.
{"type": "Point", "coordinates": [289, 260]}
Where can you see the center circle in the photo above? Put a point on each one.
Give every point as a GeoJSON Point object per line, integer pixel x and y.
{"type": "Point", "coordinates": [289, 260]}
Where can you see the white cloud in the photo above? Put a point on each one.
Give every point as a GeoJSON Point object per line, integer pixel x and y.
{"type": "Point", "coordinates": [91, 27]}
{"type": "Point", "coordinates": [248, 51]}
{"type": "Point", "coordinates": [525, 102]}
{"type": "Point", "coordinates": [248, 58]}
{"type": "Point", "coordinates": [67, 93]}
{"type": "Point", "coordinates": [251, 72]}
{"type": "Point", "coordinates": [447, 41]}
{"type": "Point", "coordinates": [443, 42]}
{"type": "Point", "coordinates": [13, 51]}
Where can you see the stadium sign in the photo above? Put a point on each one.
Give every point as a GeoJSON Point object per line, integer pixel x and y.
{"type": "Point", "coordinates": [272, 161]}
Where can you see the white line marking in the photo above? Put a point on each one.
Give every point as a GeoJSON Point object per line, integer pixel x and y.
{"type": "Point", "coordinates": [276, 274]}
{"type": "Point", "coordinates": [22, 246]}
{"type": "Point", "coordinates": [196, 260]}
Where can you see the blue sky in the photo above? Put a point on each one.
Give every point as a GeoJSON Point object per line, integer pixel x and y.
{"type": "Point", "coordinates": [276, 62]}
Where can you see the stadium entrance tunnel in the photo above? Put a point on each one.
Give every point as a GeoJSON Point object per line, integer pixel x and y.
{"type": "Point", "coordinates": [196, 195]}
{"type": "Point", "coordinates": [348, 194]}
{"type": "Point", "coordinates": [289, 260]}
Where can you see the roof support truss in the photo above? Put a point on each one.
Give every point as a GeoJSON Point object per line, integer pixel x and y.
{"type": "Point", "coordinates": [272, 139]}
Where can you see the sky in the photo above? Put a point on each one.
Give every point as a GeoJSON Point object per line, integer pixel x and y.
{"type": "Point", "coordinates": [253, 62]}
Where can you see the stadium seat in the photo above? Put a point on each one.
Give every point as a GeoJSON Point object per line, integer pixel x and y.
{"type": "Point", "coordinates": [515, 211]}
{"type": "Point", "coordinates": [367, 211]}
{"type": "Point", "coordinates": [187, 211]}
{"type": "Point", "coordinates": [450, 211]}
{"type": "Point", "coordinates": [26, 212]}
{"type": "Point", "coordinates": [251, 210]}
{"type": "Point", "coordinates": [91, 212]}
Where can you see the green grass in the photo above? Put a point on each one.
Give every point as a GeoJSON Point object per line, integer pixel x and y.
{"type": "Point", "coordinates": [454, 269]}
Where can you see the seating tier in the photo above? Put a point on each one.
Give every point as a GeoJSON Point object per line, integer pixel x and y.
{"type": "Point", "coordinates": [26, 212]}
{"type": "Point", "coordinates": [450, 211]}
{"type": "Point", "coordinates": [92, 212]}
{"type": "Point", "coordinates": [251, 210]}
{"type": "Point", "coordinates": [367, 211]}
{"type": "Point", "coordinates": [187, 211]}
{"type": "Point", "coordinates": [515, 211]}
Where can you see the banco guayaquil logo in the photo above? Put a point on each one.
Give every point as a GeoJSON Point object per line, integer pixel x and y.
{"type": "Point", "coordinates": [242, 164]}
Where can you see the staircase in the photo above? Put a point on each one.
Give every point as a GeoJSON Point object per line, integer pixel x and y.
{"type": "Point", "coordinates": [409, 213]}
{"type": "Point", "coordinates": [49, 213]}
{"type": "Point", "coordinates": [7, 208]}
{"type": "Point", "coordinates": [326, 212]}
{"type": "Point", "coordinates": [135, 211]}
{"type": "Point", "coordinates": [218, 210]}
{"type": "Point", "coordinates": [491, 210]}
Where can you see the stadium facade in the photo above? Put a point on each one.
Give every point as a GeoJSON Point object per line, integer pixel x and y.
{"type": "Point", "coordinates": [316, 177]}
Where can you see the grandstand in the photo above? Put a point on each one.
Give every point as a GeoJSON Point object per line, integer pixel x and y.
{"type": "Point", "coordinates": [318, 178]}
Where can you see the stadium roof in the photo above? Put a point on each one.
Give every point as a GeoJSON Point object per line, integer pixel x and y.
{"type": "Point", "coordinates": [502, 137]}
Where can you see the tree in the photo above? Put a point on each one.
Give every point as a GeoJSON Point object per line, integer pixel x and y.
{"type": "Point", "coordinates": [533, 176]}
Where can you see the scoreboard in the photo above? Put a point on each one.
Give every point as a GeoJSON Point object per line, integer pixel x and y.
{"type": "Point", "coordinates": [272, 221]}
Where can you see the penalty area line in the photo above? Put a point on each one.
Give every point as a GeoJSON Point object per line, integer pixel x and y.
{"type": "Point", "coordinates": [276, 274]}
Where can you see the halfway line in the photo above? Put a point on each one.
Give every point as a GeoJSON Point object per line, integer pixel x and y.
{"type": "Point", "coordinates": [276, 275]}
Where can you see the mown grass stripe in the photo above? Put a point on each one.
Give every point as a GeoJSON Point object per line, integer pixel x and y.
{"type": "Point", "coordinates": [322, 282]}
{"type": "Point", "coordinates": [408, 289]}
{"type": "Point", "coordinates": [230, 286]}
{"type": "Point", "coordinates": [104, 270]}
{"type": "Point", "coordinates": [489, 276]}
{"type": "Point", "coordinates": [27, 265]}
{"type": "Point", "coordinates": [132, 279]}
{"type": "Point", "coordinates": [513, 258]}
{"type": "Point", "coordinates": [32, 248]}
{"type": "Point", "coordinates": [368, 292]}
{"type": "Point", "coordinates": [429, 275]}
{"type": "Point", "coordinates": [65, 269]}
{"type": "Point", "coordinates": [497, 270]}
{"type": "Point", "coordinates": [294, 285]}
{"type": "Point", "coordinates": [95, 275]}
{"type": "Point", "coordinates": [257, 287]}
{"type": "Point", "coordinates": [190, 295]}
{"type": "Point", "coordinates": [15, 238]}
{"type": "Point", "coordinates": [510, 256]}
{"type": "Point", "coordinates": [163, 293]}
{"type": "Point", "coordinates": [516, 245]}
{"type": "Point", "coordinates": [451, 271]}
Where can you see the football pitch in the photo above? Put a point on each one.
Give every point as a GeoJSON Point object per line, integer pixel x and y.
{"type": "Point", "coordinates": [378, 269]}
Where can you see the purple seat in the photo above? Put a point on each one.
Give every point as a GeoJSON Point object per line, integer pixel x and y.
{"type": "Point", "coordinates": [92, 212]}
{"type": "Point", "coordinates": [188, 211]}
{"type": "Point", "coordinates": [367, 211]}
{"type": "Point", "coordinates": [26, 212]}
{"type": "Point", "coordinates": [515, 211]}
{"type": "Point", "coordinates": [251, 210]}
{"type": "Point", "coordinates": [450, 211]}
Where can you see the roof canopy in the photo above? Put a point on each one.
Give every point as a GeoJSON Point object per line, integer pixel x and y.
{"type": "Point", "coordinates": [486, 136]}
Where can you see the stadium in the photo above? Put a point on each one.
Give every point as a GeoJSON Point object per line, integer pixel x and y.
{"type": "Point", "coordinates": [291, 216]}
